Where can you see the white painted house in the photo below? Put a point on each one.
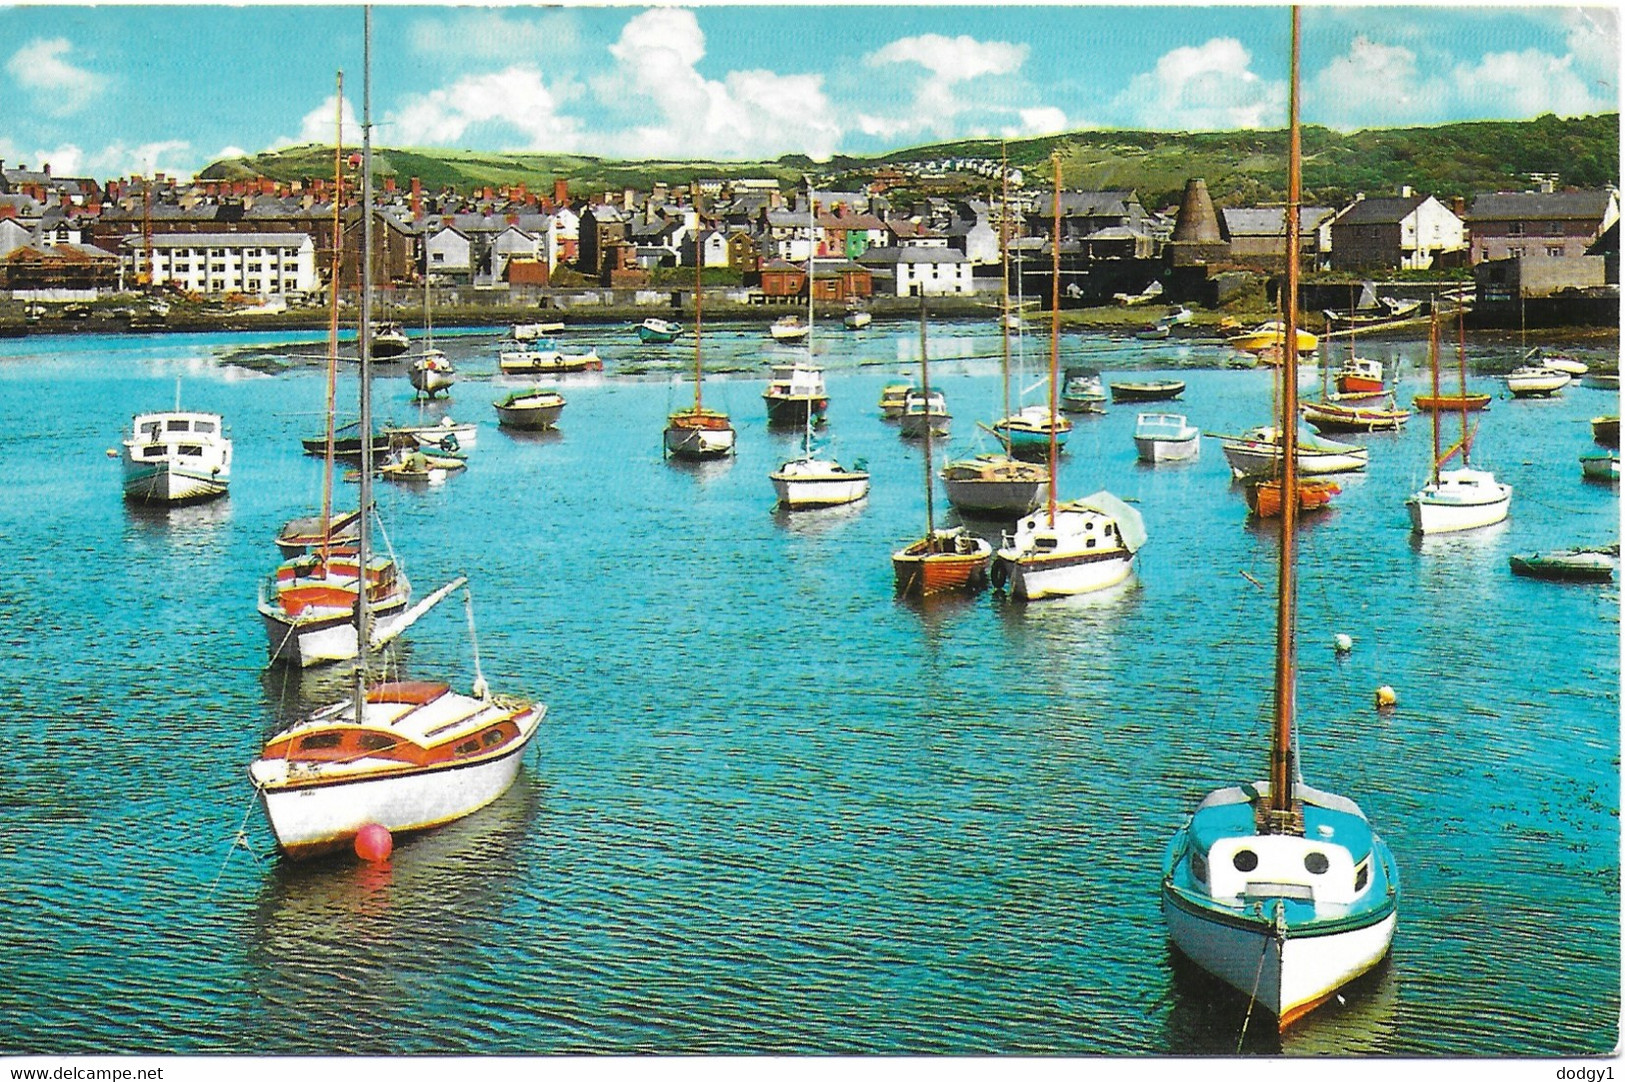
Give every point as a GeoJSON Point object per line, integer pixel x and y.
{"type": "Point", "coordinates": [514, 242]}
{"type": "Point", "coordinates": [563, 237]}
{"type": "Point", "coordinates": [935, 272]}
{"type": "Point", "coordinates": [252, 264]}
{"type": "Point", "coordinates": [449, 254]}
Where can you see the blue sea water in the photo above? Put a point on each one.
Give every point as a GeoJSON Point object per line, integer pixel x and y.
{"type": "Point", "coordinates": [773, 808]}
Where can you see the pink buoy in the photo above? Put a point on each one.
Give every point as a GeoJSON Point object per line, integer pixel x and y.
{"type": "Point", "coordinates": [374, 843]}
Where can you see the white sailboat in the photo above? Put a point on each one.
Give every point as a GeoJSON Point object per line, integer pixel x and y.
{"type": "Point", "coordinates": [810, 480]}
{"type": "Point", "coordinates": [1280, 890]}
{"type": "Point", "coordinates": [431, 371]}
{"type": "Point", "coordinates": [1462, 498]}
{"type": "Point", "coordinates": [403, 756]}
{"type": "Point", "coordinates": [1080, 545]}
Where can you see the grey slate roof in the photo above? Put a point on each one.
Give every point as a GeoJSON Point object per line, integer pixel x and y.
{"type": "Point", "coordinates": [1383, 210]}
{"type": "Point", "coordinates": [1270, 221]}
{"type": "Point", "coordinates": [883, 256]}
{"type": "Point", "coordinates": [1588, 206]}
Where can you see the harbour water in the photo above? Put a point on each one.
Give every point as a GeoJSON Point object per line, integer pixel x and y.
{"type": "Point", "coordinates": [774, 809]}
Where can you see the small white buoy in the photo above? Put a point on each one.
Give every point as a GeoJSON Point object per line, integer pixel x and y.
{"type": "Point", "coordinates": [1342, 643]}
{"type": "Point", "coordinates": [1386, 697]}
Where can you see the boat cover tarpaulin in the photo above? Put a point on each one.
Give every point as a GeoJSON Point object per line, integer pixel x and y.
{"type": "Point", "coordinates": [1129, 523]}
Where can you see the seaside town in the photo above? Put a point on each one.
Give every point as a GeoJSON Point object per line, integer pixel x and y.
{"type": "Point", "coordinates": [1547, 255]}
{"type": "Point", "coordinates": [927, 605]}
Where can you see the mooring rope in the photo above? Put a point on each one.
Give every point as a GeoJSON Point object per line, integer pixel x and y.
{"type": "Point", "coordinates": [239, 840]}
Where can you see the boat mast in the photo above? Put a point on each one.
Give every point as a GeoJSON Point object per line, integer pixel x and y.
{"type": "Point", "coordinates": [925, 391]}
{"type": "Point", "coordinates": [1054, 333]}
{"type": "Point", "coordinates": [363, 611]}
{"type": "Point", "coordinates": [1281, 819]}
{"type": "Point", "coordinates": [333, 313]}
{"type": "Point", "coordinates": [1004, 278]}
{"type": "Point", "coordinates": [812, 250]}
{"type": "Point", "coordinates": [1461, 363]}
{"type": "Point", "coordinates": [1433, 362]}
{"type": "Point", "coordinates": [699, 263]}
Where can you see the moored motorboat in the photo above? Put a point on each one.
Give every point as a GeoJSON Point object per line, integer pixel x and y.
{"type": "Point", "coordinates": [529, 332]}
{"type": "Point", "coordinates": [1166, 437]}
{"type": "Point", "coordinates": [1605, 430]}
{"type": "Point", "coordinates": [543, 357]}
{"type": "Point", "coordinates": [789, 329]}
{"type": "Point", "coordinates": [658, 332]}
{"type": "Point", "coordinates": [1081, 391]}
{"type": "Point", "coordinates": [1268, 335]}
{"type": "Point", "coordinates": [1147, 391]}
{"type": "Point", "coordinates": [892, 398]}
{"type": "Point", "coordinates": [176, 457]}
{"type": "Point", "coordinates": [795, 395]}
{"type": "Point", "coordinates": [535, 408]}
{"type": "Point", "coordinates": [389, 341]}
{"type": "Point", "coordinates": [857, 318]}
{"type": "Point", "coordinates": [921, 412]}
{"type": "Point", "coordinates": [1533, 381]}
{"type": "Point", "coordinates": [1359, 375]}
{"type": "Point", "coordinates": [1600, 466]}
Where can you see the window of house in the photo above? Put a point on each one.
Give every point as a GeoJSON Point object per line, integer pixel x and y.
{"type": "Point", "coordinates": [1515, 229]}
{"type": "Point", "coordinates": [1554, 250]}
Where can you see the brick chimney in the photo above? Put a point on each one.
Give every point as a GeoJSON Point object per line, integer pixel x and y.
{"type": "Point", "coordinates": [629, 199]}
{"type": "Point", "coordinates": [561, 191]}
{"type": "Point", "coordinates": [417, 198]}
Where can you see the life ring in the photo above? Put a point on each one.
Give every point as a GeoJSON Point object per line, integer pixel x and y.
{"type": "Point", "coordinates": [1001, 574]}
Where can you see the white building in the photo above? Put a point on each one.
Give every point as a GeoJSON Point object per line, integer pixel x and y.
{"type": "Point", "coordinates": [251, 264]}
{"type": "Point", "coordinates": [450, 254]}
{"type": "Point", "coordinates": [935, 272]}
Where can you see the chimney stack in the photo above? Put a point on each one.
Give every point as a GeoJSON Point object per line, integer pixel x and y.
{"type": "Point", "coordinates": [417, 198]}
{"type": "Point", "coordinates": [561, 191]}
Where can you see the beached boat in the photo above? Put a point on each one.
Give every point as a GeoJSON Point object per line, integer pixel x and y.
{"type": "Point", "coordinates": [1600, 466]}
{"type": "Point", "coordinates": [544, 358]}
{"type": "Point", "coordinates": [698, 433]}
{"type": "Point", "coordinates": [1147, 391]}
{"type": "Point", "coordinates": [535, 408]}
{"type": "Point", "coordinates": [1259, 450]}
{"type": "Point", "coordinates": [176, 457]}
{"type": "Point", "coordinates": [1567, 565]}
{"type": "Point", "coordinates": [1562, 362]}
{"type": "Point", "coordinates": [1280, 890]}
{"type": "Point", "coordinates": [389, 341]}
{"type": "Point", "coordinates": [1603, 381]}
{"type": "Point", "coordinates": [922, 412]}
{"type": "Point", "coordinates": [1076, 546]}
{"type": "Point", "coordinates": [946, 560]}
{"type": "Point", "coordinates": [857, 318]}
{"type": "Point", "coordinates": [658, 332]}
{"type": "Point", "coordinates": [529, 332]}
{"type": "Point", "coordinates": [789, 329]}
{"type": "Point", "coordinates": [1605, 430]}
{"type": "Point", "coordinates": [1166, 437]}
{"type": "Point", "coordinates": [1533, 381]}
{"type": "Point", "coordinates": [1081, 391]}
{"type": "Point", "coordinates": [1154, 332]}
{"type": "Point", "coordinates": [1462, 498]}
{"type": "Point", "coordinates": [1270, 335]}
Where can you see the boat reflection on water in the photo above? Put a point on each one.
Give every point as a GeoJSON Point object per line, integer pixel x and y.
{"type": "Point", "coordinates": [533, 435]}
{"type": "Point", "coordinates": [409, 925]}
{"type": "Point", "coordinates": [1480, 548]}
{"type": "Point", "coordinates": [816, 521]}
{"type": "Point", "coordinates": [292, 692]}
{"type": "Point", "coordinates": [184, 524]}
{"type": "Point", "coordinates": [701, 469]}
{"type": "Point", "coordinates": [1206, 1018]}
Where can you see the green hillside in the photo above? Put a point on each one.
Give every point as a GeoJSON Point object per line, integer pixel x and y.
{"type": "Point", "coordinates": [1240, 168]}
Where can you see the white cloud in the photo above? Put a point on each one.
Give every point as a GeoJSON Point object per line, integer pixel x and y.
{"type": "Point", "coordinates": [1592, 35]}
{"type": "Point", "coordinates": [1525, 84]}
{"type": "Point", "coordinates": [41, 68]}
{"type": "Point", "coordinates": [747, 114]}
{"type": "Point", "coordinates": [1373, 80]}
{"type": "Point", "coordinates": [1043, 120]}
{"type": "Point", "coordinates": [317, 125]}
{"type": "Point", "coordinates": [939, 107]}
{"type": "Point", "coordinates": [172, 156]}
{"type": "Point", "coordinates": [493, 35]}
{"type": "Point", "coordinates": [1207, 87]}
{"type": "Point", "coordinates": [514, 99]}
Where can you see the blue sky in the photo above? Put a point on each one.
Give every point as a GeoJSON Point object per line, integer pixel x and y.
{"type": "Point", "coordinates": [111, 90]}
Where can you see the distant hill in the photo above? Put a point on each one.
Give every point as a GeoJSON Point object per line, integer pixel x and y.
{"type": "Point", "coordinates": [1241, 167]}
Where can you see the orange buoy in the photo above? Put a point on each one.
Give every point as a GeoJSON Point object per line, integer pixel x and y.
{"type": "Point", "coordinates": [374, 843]}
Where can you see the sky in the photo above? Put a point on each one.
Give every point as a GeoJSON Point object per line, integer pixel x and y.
{"type": "Point", "coordinates": [115, 90]}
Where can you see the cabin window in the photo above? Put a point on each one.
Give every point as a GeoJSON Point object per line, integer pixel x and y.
{"type": "Point", "coordinates": [321, 741]}
{"type": "Point", "coordinates": [1362, 876]}
{"type": "Point", "coordinates": [468, 747]}
{"type": "Point", "coordinates": [191, 449]}
{"type": "Point", "coordinates": [155, 450]}
{"type": "Point", "coordinates": [1245, 860]}
{"type": "Point", "coordinates": [1316, 863]}
{"type": "Point", "coordinates": [203, 426]}
{"type": "Point", "coordinates": [492, 736]}
{"type": "Point", "coordinates": [175, 426]}
{"type": "Point", "coordinates": [1091, 543]}
{"type": "Point", "coordinates": [377, 741]}
{"type": "Point", "coordinates": [1199, 867]}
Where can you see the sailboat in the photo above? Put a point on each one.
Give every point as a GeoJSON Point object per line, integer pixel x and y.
{"type": "Point", "coordinates": [1030, 430]}
{"type": "Point", "coordinates": [998, 484]}
{"type": "Point", "coordinates": [809, 481]}
{"type": "Point", "coordinates": [1280, 890]}
{"type": "Point", "coordinates": [400, 755]}
{"type": "Point", "coordinates": [1463, 498]}
{"type": "Point", "coordinates": [1080, 545]}
{"type": "Point", "coordinates": [432, 371]}
{"type": "Point", "coordinates": [698, 433]}
{"type": "Point", "coordinates": [795, 392]}
{"type": "Point", "coordinates": [942, 560]}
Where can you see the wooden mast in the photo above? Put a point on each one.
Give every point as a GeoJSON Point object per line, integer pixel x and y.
{"type": "Point", "coordinates": [1054, 334]}
{"type": "Point", "coordinates": [1433, 362]}
{"type": "Point", "coordinates": [925, 390]}
{"type": "Point", "coordinates": [1281, 818]}
{"type": "Point", "coordinates": [1004, 292]}
{"type": "Point", "coordinates": [1461, 364]}
{"type": "Point", "coordinates": [699, 266]}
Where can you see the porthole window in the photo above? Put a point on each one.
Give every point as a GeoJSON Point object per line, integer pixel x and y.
{"type": "Point", "coordinates": [1362, 876]}
{"type": "Point", "coordinates": [1316, 863]}
{"type": "Point", "coordinates": [1245, 860]}
{"type": "Point", "coordinates": [1199, 867]}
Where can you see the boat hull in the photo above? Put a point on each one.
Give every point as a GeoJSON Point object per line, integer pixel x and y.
{"type": "Point", "coordinates": [795, 410]}
{"type": "Point", "coordinates": [166, 483]}
{"type": "Point", "coordinates": [534, 414]}
{"type": "Point", "coordinates": [309, 821]}
{"type": "Point", "coordinates": [321, 639]}
{"type": "Point", "coordinates": [1146, 392]}
{"type": "Point", "coordinates": [1464, 500]}
{"type": "Point", "coordinates": [993, 497]}
{"type": "Point", "coordinates": [1161, 449]}
{"type": "Point", "coordinates": [1033, 577]}
{"type": "Point", "coordinates": [922, 574]}
{"type": "Point", "coordinates": [698, 441]}
{"type": "Point", "coordinates": [1604, 467]}
{"type": "Point", "coordinates": [1538, 385]}
{"type": "Point", "coordinates": [1254, 458]}
{"type": "Point", "coordinates": [1448, 403]}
